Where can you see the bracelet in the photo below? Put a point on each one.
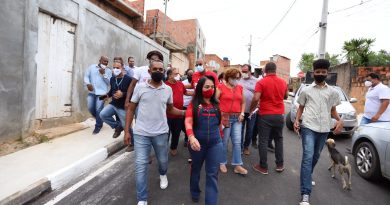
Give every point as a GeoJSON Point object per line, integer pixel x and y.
{"type": "Point", "coordinates": [190, 132]}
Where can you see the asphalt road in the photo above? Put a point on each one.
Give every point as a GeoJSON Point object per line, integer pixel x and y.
{"type": "Point", "coordinates": [116, 184]}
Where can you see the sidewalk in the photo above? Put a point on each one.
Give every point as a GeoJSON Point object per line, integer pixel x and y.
{"type": "Point", "coordinates": [52, 164]}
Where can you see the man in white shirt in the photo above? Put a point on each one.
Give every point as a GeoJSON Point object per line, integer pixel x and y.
{"type": "Point", "coordinates": [187, 99]}
{"type": "Point", "coordinates": [377, 107]}
{"type": "Point", "coordinates": [131, 67]}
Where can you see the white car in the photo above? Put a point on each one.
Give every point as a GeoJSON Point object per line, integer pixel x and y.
{"type": "Point", "coordinates": [346, 111]}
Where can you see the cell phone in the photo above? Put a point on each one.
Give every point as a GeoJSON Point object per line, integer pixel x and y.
{"type": "Point", "coordinates": [102, 97]}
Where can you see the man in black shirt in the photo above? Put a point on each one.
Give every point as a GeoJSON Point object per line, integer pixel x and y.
{"type": "Point", "coordinates": [119, 84]}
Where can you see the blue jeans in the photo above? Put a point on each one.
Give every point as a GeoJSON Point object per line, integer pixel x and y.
{"type": "Point", "coordinates": [365, 121]}
{"type": "Point", "coordinates": [312, 144]}
{"type": "Point", "coordinates": [233, 132]}
{"type": "Point", "coordinates": [248, 126]}
{"type": "Point", "coordinates": [95, 106]}
{"type": "Point", "coordinates": [107, 115]}
{"type": "Point", "coordinates": [142, 148]}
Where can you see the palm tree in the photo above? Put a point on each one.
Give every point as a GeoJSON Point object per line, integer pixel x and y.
{"type": "Point", "coordinates": [358, 51]}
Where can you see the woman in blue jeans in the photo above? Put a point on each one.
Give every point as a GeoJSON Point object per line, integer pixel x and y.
{"type": "Point", "coordinates": [232, 104]}
{"type": "Point", "coordinates": [205, 145]}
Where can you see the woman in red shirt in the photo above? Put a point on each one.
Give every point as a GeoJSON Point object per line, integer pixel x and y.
{"type": "Point", "coordinates": [232, 104]}
{"type": "Point", "coordinates": [175, 122]}
{"type": "Point", "coordinates": [203, 126]}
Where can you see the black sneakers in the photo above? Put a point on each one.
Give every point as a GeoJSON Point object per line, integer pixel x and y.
{"type": "Point", "coordinates": [117, 132]}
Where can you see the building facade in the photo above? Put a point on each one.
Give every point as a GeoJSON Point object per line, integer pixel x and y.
{"type": "Point", "coordinates": [283, 65]}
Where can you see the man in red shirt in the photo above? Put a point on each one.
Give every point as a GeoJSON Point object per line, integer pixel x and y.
{"type": "Point", "coordinates": [176, 122]}
{"type": "Point", "coordinates": [200, 71]}
{"type": "Point", "coordinates": [271, 91]}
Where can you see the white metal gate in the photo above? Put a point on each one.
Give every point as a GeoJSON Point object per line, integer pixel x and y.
{"type": "Point", "coordinates": [54, 67]}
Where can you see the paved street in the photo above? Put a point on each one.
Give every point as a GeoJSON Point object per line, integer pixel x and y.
{"type": "Point", "coordinates": [116, 184]}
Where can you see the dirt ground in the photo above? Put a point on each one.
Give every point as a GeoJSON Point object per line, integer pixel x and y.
{"type": "Point", "coordinates": [12, 146]}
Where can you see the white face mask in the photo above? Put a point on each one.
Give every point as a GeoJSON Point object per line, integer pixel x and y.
{"type": "Point", "coordinates": [367, 83]}
{"type": "Point", "coordinates": [245, 75]}
{"type": "Point", "coordinates": [103, 66]}
{"type": "Point", "coordinates": [199, 68]}
{"type": "Point", "coordinates": [117, 71]}
{"type": "Point", "coordinates": [177, 77]}
{"type": "Point", "coordinates": [233, 82]}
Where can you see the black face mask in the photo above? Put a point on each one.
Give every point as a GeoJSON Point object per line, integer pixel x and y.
{"type": "Point", "coordinates": [157, 76]}
{"type": "Point", "coordinates": [189, 78]}
{"type": "Point", "coordinates": [319, 78]}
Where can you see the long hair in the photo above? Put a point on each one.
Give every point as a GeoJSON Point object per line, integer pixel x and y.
{"type": "Point", "coordinates": [198, 99]}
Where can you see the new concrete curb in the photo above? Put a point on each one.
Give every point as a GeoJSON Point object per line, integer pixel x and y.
{"type": "Point", "coordinates": [58, 179]}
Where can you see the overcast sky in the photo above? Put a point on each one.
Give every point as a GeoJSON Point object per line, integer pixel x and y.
{"type": "Point", "coordinates": [227, 25]}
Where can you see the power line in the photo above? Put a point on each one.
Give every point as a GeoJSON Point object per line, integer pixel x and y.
{"type": "Point", "coordinates": [280, 21]}
{"type": "Point", "coordinates": [353, 6]}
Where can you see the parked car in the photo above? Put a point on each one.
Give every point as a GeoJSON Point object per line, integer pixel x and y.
{"type": "Point", "coordinates": [371, 150]}
{"type": "Point", "coordinates": [346, 111]}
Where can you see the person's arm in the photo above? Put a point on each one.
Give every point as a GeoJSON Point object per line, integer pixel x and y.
{"type": "Point", "coordinates": [286, 94]}
{"type": "Point", "coordinates": [109, 94]}
{"type": "Point", "coordinates": [242, 114]}
{"type": "Point", "coordinates": [188, 122]}
{"type": "Point", "coordinates": [339, 122]}
{"type": "Point", "coordinates": [87, 81]}
{"type": "Point", "coordinates": [255, 101]}
{"type": "Point", "coordinates": [129, 120]}
{"type": "Point", "coordinates": [174, 111]}
{"type": "Point", "coordinates": [130, 91]}
{"type": "Point", "coordinates": [382, 109]}
{"type": "Point", "coordinates": [298, 117]}
{"type": "Point", "coordinates": [107, 76]}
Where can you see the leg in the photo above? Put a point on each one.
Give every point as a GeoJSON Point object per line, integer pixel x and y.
{"type": "Point", "coordinates": [91, 104]}
{"type": "Point", "coordinates": [256, 128]}
{"type": "Point", "coordinates": [176, 130]}
{"type": "Point", "coordinates": [226, 136]}
{"type": "Point", "coordinates": [160, 146]}
{"type": "Point", "coordinates": [235, 133]}
{"type": "Point", "coordinates": [243, 131]}
{"type": "Point", "coordinates": [319, 142]}
{"type": "Point", "coordinates": [142, 148]}
{"type": "Point", "coordinates": [212, 162]}
{"type": "Point", "coordinates": [121, 113]}
{"type": "Point", "coordinates": [198, 158]}
{"type": "Point", "coordinates": [249, 130]}
{"type": "Point", "coordinates": [99, 108]}
{"type": "Point", "coordinates": [107, 116]}
{"type": "Point", "coordinates": [334, 170]}
{"type": "Point", "coordinates": [307, 160]}
{"type": "Point", "coordinates": [278, 139]}
{"type": "Point", "coordinates": [263, 140]}
{"type": "Point", "coordinates": [341, 171]}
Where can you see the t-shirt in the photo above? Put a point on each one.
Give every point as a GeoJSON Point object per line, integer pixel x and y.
{"type": "Point", "coordinates": [272, 89]}
{"type": "Point", "coordinates": [142, 74]}
{"type": "Point", "coordinates": [152, 109]}
{"type": "Point", "coordinates": [374, 96]}
{"type": "Point", "coordinates": [249, 90]}
{"type": "Point", "coordinates": [178, 90]}
{"type": "Point", "coordinates": [197, 76]}
{"type": "Point", "coordinates": [121, 84]}
{"type": "Point", "coordinates": [229, 96]}
{"type": "Point", "coordinates": [187, 99]}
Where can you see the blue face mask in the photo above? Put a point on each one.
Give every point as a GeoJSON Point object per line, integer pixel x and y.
{"type": "Point", "coordinates": [199, 68]}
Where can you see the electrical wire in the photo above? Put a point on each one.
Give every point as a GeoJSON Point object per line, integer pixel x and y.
{"type": "Point", "coordinates": [353, 6]}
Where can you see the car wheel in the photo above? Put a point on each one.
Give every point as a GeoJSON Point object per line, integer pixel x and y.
{"type": "Point", "coordinates": [367, 161]}
{"type": "Point", "coordinates": [289, 123]}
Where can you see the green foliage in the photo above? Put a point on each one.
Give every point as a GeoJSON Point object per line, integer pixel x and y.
{"type": "Point", "coordinates": [307, 59]}
{"type": "Point", "coordinates": [381, 58]}
{"type": "Point", "coordinates": [358, 51]}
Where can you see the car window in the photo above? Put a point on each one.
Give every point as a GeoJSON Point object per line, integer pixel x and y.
{"type": "Point", "coordinates": [341, 94]}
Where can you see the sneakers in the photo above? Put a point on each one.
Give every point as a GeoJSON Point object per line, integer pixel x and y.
{"type": "Point", "coordinates": [142, 203]}
{"type": "Point", "coordinates": [305, 200]}
{"type": "Point", "coordinates": [118, 131]}
{"type": "Point", "coordinates": [163, 181]}
{"type": "Point", "coordinates": [260, 169]}
{"type": "Point", "coordinates": [173, 152]}
{"type": "Point", "coordinates": [223, 168]}
{"type": "Point", "coordinates": [246, 151]}
{"type": "Point", "coordinates": [279, 168]}
{"type": "Point", "coordinates": [96, 130]}
{"type": "Point", "coordinates": [240, 170]}
{"type": "Point", "coordinates": [129, 148]}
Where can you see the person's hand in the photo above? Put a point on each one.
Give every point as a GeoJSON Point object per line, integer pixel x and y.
{"type": "Point", "coordinates": [241, 118]}
{"type": "Point", "coordinates": [297, 126]}
{"type": "Point", "coordinates": [118, 94]}
{"type": "Point", "coordinates": [90, 87]}
{"type": "Point", "coordinates": [339, 127]}
{"type": "Point", "coordinates": [375, 118]}
{"type": "Point", "coordinates": [127, 138]}
{"type": "Point", "coordinates": [194, 143]}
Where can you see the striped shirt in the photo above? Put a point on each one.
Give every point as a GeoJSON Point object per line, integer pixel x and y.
{"type": "Point", "coordinates": [318, 102]}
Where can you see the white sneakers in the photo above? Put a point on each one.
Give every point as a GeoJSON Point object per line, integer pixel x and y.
{"type": "Point", "coordinates": [163, 181]}
{"type": "Point", "coordinates": [142, 203]}
{"type": "Point", "coordinates": [305, 200]}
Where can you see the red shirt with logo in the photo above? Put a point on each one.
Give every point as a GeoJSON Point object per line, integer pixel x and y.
{"type": "Point", "coordinates": [272, 89]}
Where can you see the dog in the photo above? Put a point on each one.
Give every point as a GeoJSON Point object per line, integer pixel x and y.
{"type": "Point", "coordinates": [340, 163]}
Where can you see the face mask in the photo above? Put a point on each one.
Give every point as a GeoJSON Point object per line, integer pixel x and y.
{"type": "Point", "coordinates": [367, 83]}
{"type": "Point", "coordinates": [199, 68]}
{"type": "Point", "coordinates": [102, 66]}
{"type": "Point", "coordinates": [233, 82]}
{"type": "Point", "coordinates": [189, 78]}
{"type": "Point", "coordinates": [208, 93]}
{"type": "Point", "coordinates": [319, 78]}
{"type": "Point", "coordinates": [157, 76]}
{"type": "Point", "coordinates": [117, 71]}
{"type": "Point", "coordinates": [177, 78]}
{"type": "Point", "coordinates": [245, 75]}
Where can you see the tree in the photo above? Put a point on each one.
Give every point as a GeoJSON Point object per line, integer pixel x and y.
{"type": "Point", "coordinates": [381, 58]}
{"type": "Point", "coordinates": [307, 59]}
{"type": "Point", "coordinates": [333, 59]}
{"type": "Point", "coordinates": [358, 51]}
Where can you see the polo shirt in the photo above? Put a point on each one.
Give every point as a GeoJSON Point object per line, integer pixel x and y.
{"type": "Point", "coordinates": [318, 102]}
{"type": "Point", "coordinates": [99, 82]}
{"type": "Point", "coordinates": [178, 90]}
{"type": "Point", "coordinates": [230, 99]}
{"type": "Point", "coordinates": [374, 96]}
{"type": "Point", "coordinates": [272, 89]}
{"type": "Point", "coordinates": [152, 108]}
{"type": "Point", "coordinates": [197, 76]}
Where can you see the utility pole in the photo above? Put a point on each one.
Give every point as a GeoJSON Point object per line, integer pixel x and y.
{"type": "Point", "coordinates": [154, 27]}
{"type": "Point", "coordinates": [323, 24]}
{"type": "Point", "coordinates": [165, 22]}
{"type": "Point", "coordinates": [250, 49]}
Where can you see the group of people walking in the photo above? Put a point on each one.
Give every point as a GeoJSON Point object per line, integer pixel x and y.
{"type": "Point", "coordinates": [210, 111]}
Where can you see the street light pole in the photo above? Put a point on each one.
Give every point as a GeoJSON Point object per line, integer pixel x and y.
{"type": "Point", "coordinates": [250, 50]}
{"type": "Point", "coordinates": [323, 25]}
{"type": "Point", "coordinates": [165, 22]}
